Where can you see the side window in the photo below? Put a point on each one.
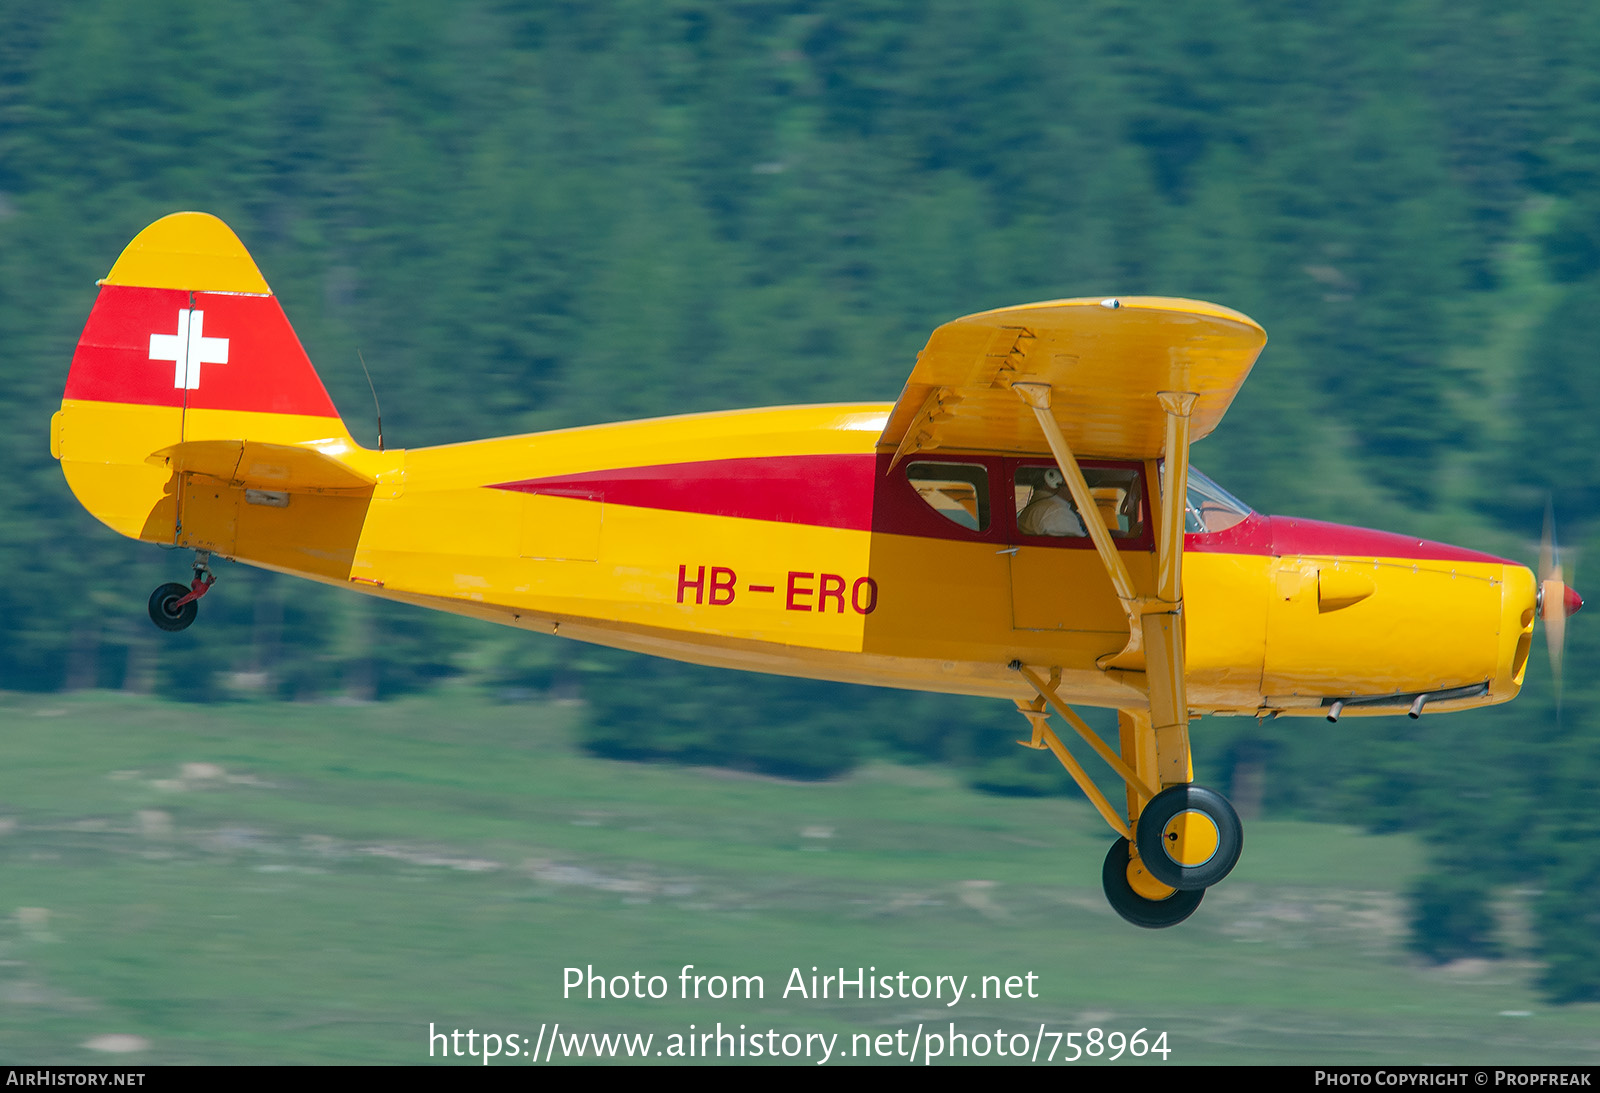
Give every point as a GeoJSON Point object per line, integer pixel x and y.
{"type": "Point", "coordinates": [1045, 507]}
{"type": "Point", "coordinates": [957, 491]}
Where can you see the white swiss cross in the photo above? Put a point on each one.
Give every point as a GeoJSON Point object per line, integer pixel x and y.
{"type": "Point", "coordinates": [188, 349]}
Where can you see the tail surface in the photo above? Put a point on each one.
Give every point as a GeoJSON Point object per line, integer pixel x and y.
{"type": "Point", "coordinates": [189, 381]}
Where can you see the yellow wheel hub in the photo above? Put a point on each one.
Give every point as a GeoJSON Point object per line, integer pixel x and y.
{"type": "Point", "coordinates": [1144, 884]}
{"type": "Point", "coordinates": [1191, 838]}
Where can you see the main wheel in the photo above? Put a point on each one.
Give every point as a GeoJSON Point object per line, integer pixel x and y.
{"type": "Point", "coordinates": [164, 614]}
{"type": "Point", "coordinates": [1153, 910]}
{"type": "Point", "coordinates": [1189, 837]}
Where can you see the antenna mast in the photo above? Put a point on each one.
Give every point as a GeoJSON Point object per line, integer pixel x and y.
{"type": "Point", "coordinates": [376, 408]}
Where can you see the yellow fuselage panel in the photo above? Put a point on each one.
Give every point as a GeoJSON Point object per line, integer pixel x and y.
{"type": "Point", "coordinates": [1225, 623]}
{"type": "Point", "coordinates": [845, 429]}
{"type": "Point", "coordinates": [1422, 624]}
{"type": "Point", "coordinates": [1426, 625]}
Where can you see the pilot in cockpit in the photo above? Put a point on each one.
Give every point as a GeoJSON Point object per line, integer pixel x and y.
{"type": "Point", "coordinates": [1049, 510]}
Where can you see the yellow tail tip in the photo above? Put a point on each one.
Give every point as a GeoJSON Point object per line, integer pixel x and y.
{"type": "Point", "coordinates": [190, 251]}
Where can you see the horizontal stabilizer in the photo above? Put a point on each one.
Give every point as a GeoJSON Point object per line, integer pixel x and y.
{"type": "Point", "coordinates": [256, 464]}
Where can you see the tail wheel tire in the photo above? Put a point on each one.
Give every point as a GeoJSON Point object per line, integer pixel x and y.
{"type": "Point", "coordinates": [1152, 914]}
{"type": "Point", "coordinates": [167, 616]}
{"type": "Point", "coordinates": [1189, 837]}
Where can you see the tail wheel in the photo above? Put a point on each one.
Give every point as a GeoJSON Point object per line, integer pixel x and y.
{"type": "Point", "coordinates": [164, 612]}
{"type": "Point", "coordinates": [1189, 837]}
{"type": "Point", "coordinates": [1138, 897]}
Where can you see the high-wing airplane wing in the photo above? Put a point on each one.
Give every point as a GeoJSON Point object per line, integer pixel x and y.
{"type": "Point", "coordinates": [1105, 361]}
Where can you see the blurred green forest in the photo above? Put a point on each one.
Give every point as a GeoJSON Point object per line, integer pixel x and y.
{"type": "Point", "coordinates": [528, 216]}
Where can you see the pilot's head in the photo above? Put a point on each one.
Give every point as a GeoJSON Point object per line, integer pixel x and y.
{"type": "Point", "coordinates": [1054, 480]}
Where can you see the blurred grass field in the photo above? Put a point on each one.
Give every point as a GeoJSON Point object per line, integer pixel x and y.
{"type": "Point", "coordinates": [317, 883]}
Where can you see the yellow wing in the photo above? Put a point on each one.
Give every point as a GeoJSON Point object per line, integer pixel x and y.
{"type": "Point", "coordinates": [1105, 361]}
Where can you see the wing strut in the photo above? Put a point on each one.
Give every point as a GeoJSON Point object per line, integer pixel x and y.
{"type": "Point", "coordinates": [1165, 659]}
{"type": "Point", "coordinates": [1037, 396]}
{"type": "Point", "coordinates": [1155, 622]}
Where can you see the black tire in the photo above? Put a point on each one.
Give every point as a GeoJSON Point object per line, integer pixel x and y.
{"type": "Point", "coordinates": [162, 612]}
{"type": "Point", "coordinates": [1152, 914]}
{"type": "Point", "coordinates": [1155, 837]}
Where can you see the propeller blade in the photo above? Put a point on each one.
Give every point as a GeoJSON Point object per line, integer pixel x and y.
{"type": "Point", "coordinates": [1547, 542]}
{"type": "Point", "coordinates": [1557, 599]}
{"type": "Point", "coordinates": [1555, 625]}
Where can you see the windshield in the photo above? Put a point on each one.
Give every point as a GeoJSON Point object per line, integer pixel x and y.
{"type": "Point", "coordinates": [1210, 507]}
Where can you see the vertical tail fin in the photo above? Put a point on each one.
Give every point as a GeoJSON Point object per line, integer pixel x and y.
{"type": "Point", "coordinates": [186, 344]}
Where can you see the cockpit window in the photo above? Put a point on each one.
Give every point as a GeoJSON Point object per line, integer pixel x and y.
{"type": "Point", "coordinates": [957, 491]}
{"type": "Point", "coordinates": [1210, 507]}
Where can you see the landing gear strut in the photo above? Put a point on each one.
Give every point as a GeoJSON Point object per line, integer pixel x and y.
{"type": "Point", "coordinates": [172, 606]}
{"type": "Point", "coordinates": [1176, 842]}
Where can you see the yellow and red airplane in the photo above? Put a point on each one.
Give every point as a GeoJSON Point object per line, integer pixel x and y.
{"type": "Point", "coordinates": [1023, 523]}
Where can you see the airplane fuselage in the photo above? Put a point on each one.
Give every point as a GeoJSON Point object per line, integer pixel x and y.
{"type": "Point", "coordinates": [783, 541]}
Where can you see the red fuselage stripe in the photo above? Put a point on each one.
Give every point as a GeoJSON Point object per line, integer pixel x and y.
{"type": "Point", "coordinates": [832, 491]}
{"type": "Point", "coordinates": [852, 492]}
